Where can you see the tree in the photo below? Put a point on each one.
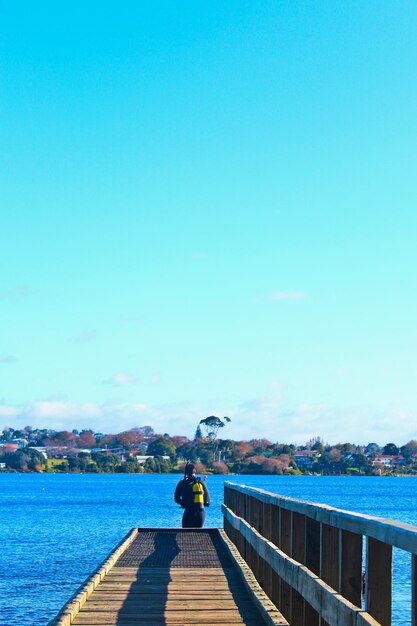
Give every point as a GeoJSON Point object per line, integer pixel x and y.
{"type": "Point", "coordinates": [273, 466]}
{"type": "Point", "coordinates": [198, 433]}
{"type": "Point", "coordinates": [315, 443]}
{"type": "Point", "coordinates": [260, 445]}
{"type": "Point", "coordinates": [145, 431]}
{"type": "Point", "coordinates": [372, 449]}
{"type": "Point", "coordinates": [220, 468]}
{"type": "Point", "coordinates": [284, 448]}
{"type": "Point", "coordinates": [106, 462]}
{"type": "Point", "coordinates": [64, 438]}
{"type": "Point", "coordinates": [157, 465]}
{"type": "Point", "coordinates": [242, 449]}
{"type": "Point", "coordinates": [86, 439]}
{"type": "Point", "coordinates": [188, 451]}
{"type": "Point", "coordinates": [24, 459]}
{"type": "Point", "coordinates": [409, 450]}
{"type": "Point", "coordinates": [179, 440]}
{"type": "Point", "coordinates": [225, 447]}
{"type": "Point", "coordinates": [212, 425]}
{"type": "Point", "coordinates": [162, 447]}
{"type": "Point", "coordinates": [391, 448]}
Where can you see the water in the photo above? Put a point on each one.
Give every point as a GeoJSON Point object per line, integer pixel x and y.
{"type": "Point", "coordinates": [56, 529]}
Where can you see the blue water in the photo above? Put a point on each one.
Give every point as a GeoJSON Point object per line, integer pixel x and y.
{"type": "Point", "coordinates": [56, 529]}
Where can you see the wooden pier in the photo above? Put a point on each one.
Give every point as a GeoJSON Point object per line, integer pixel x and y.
{"type": "Point", "coordinates": [172, 577]}
{"type": "Point", "coordinates": [278, 561]}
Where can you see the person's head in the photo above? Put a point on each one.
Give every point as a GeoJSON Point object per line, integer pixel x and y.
{"type": "Point", "coordinates": [189, 470]}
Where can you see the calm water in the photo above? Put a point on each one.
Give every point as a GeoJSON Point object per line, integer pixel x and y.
{"type": "Point", "coordinates": [55, 529]}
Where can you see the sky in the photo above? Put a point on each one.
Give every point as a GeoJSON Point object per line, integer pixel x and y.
{"type": "Point", "coordinates": [210, 208]}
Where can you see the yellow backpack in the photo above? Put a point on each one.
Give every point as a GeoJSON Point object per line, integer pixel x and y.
{"type": "Point", "coordinates": [198, 492]}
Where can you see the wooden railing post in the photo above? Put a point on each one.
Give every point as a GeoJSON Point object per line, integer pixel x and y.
{"type": "Point", "coordinates": [298, 552]}
{"type": "Point", "coordinates": [330, 558]}
{"type": "Point", "coordinates": [351, 567]}
{"type": "Point", "coordinates": [285, 545]}
{"type": "Point", "coordinates": [313, 550]}
{"type": "Point", "coordinates": [275, 538]}
{"type": "Point", "coordinates": [267, 574]}
{"type": "Point", "coordinates": [378, 586]}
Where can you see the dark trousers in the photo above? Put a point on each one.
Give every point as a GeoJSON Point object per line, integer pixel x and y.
{"type": "Point", "coordinates": [193, 518]}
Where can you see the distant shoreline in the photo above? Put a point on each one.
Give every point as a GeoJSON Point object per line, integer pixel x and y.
{"type": "Point", "coordinates": [179, 472]}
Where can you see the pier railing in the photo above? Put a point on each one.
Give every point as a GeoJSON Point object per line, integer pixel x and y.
{"type": "Point", "coordinates": [308, 557]}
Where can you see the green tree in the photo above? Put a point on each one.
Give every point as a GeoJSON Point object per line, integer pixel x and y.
{"type": "Point", "coordinates": [162, 447]}
{"type": "Point", "coordinates": [391, 448]}
{"type": "Point", "coordinates": [106, 462]}
{"type": "Point", "coordinates": [129, 467]}
{"type": "Point", "coordinates": [24, 459]}
{"type": "Point", "coordinates": [157, 465]}
{"type": "Point", "coordinates": [187, 451]}
{"type": "Point", "coordinates": [212, 425]}
{"type": "Point", "coordinates": [409, 450]}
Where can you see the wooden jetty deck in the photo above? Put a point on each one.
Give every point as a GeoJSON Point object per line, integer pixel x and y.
{"type": "Point", "coordinates": [278, 561]}
{"type": "Point", "coordinates": [172, 577]}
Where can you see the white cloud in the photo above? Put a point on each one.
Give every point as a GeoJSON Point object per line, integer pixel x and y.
{"type": "Point", "coordinates": [258, 417]}
{"type": "Point", "coordinates": [120, 380]}
{"type": "Point", "coordinates": [8, 358]}
{"type": "Point", "coordinates": [8, 411]}
{"type": "Point", "coordinates": [269, 417]}
{"type": "Point", "coordinates": [47, 409]}
{"type": "Point", "coordinates": [287, 295]}
{"type": "Point", "coordinates": [105, 417]}
{"type": "Point", "coordinates": [155, 380]}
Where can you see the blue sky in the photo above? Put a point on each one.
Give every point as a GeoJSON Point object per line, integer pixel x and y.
{"type": "Point", "coordinates": [210, 208]}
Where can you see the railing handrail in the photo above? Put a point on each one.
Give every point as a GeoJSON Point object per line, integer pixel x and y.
{"type": "Point", "coordinates": [397, 534]}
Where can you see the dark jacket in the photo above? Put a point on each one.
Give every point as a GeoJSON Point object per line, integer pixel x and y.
{"type": "Point", "coordinates": [184, 493]}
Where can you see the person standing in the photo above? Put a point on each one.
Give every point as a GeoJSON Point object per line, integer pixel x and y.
{"type": "Point", "coordinates": [192, 495]}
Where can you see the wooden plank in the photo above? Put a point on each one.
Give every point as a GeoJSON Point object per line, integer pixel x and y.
{"type": "Point", "coordinates": [223, 614]}
{"type": "Point", "coordinates": [171, 585]}
{"type": "Point", "coordinates": [181, 620]}
{"type": "Point", "coordinates": [163, 622]}
{"type": "Point", "coordinates": [173, 591]}
{"type": "Point", "coordinates": [169, 616]}
{"type": "Point", "coordinates": [197, 584]}
{"type": "Point", "coordinates": [379, 581]}
{"type": "Point", "coordinates": [169, 602]}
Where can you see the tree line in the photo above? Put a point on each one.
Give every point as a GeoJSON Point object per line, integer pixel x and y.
{"type": "Point", "coordinates": [89, 451]}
